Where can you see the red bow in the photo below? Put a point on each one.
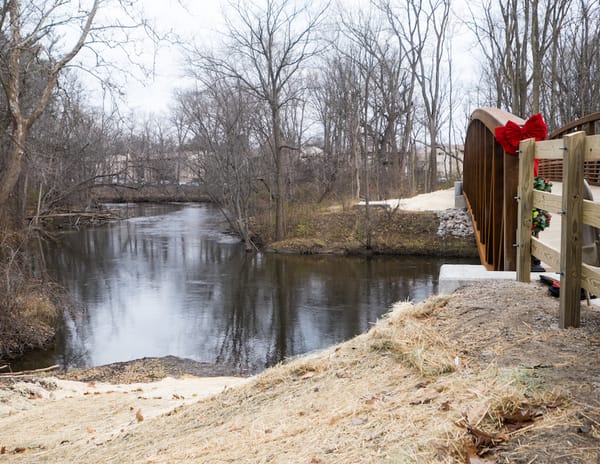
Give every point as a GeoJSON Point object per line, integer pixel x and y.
{"type": "Point", "coordinates": [510, 135]}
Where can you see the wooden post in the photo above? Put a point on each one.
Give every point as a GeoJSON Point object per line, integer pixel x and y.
{"type": "Point", "coordinates": [572, 224]}
{"type": "Point", "coordinates": [525, 196]}
{"type": "Point", "coordinates": [509, 213]}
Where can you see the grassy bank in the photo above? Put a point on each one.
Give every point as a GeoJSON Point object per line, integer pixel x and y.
{"type": "Point", "coordinates": [392, 232]}
{"type": "Point", "coordinates": [27, 322]}
{"type": "Point", "coordinates": [29, 306]}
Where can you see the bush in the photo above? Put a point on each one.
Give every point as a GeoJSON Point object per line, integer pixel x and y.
{"type": "Point", "coordinates": [28, 306]}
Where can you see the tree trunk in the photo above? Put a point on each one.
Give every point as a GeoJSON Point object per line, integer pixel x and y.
{"type": "Point", "coordinates": [16, 93]}
{"type": "Point", "coordinates": [9, 178]}
{"type": "Point", "coordinates": [536, 59]}
{"type": "Point", "coordinates": [279, 174]}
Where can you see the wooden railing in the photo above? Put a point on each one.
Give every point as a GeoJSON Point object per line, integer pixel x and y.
{"type": "Point", "coordinates": [572, 151]}
{"type": "Point", "coordinates": [553, 170]}
{"type": "Point", "coordinates": [490, 181]}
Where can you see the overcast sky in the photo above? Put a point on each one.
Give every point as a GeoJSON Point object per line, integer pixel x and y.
{"type": "Point", "coordinates": [196, 19]}
{"type": "Point", "coordinates": [199, 19]}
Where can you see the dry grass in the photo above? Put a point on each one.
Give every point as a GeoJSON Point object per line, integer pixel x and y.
{"type": "Point", "coordinates": [402, 393]}
{"type": "Point", "coordinates": [28, 310]}
{"type": "Point", "coordinates": [27, 321]}
{"type": "Point", "coordinates": [37, 308]}
{"type": "Point", "coordinates": [312, 230]}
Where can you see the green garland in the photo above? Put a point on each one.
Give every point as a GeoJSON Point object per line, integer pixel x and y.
{"type": "Point", "coordinates": [541, 217]}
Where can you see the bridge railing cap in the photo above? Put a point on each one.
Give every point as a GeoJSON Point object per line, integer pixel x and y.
{"type": "Point", "coordinates": [494, 117]}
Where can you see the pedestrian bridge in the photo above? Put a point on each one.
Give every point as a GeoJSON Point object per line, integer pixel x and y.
{"type": "Point", "coordinates": [491, 179]}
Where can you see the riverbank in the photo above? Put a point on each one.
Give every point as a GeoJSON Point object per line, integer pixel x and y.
{"type": "Point", "coordinates": [29, 306]}
{"type": "Point", "coordinates": [479, 376]}
{"type": "Point", "coordinates": [392, 232]}
{"type": "Point", "coordinates": [426, 224]}
{"type": "Point", "coordinates": [149, 193]}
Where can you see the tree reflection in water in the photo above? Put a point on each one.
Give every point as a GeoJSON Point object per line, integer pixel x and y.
{"type": "Point", "coordinates": [171, 283]}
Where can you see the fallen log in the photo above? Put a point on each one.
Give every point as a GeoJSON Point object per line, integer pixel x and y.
{"type": "Point", "coordinates": [28, 372]}
{"type": "Point", "coordinates": [108, 215]}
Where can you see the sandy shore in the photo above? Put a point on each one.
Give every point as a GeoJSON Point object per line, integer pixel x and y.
{"type": "Point", "coordinates": [165, 394]}
{"type": "Point", "coordinates": [95, 412]}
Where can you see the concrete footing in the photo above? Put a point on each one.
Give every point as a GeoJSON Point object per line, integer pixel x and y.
{"type": "Point", "coordinates": [453, 276]}
{"type": "Point", "coordinates": [459, 198]}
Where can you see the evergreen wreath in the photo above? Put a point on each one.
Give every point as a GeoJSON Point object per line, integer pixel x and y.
{"type": "Point", "coordinates": [541, 218]}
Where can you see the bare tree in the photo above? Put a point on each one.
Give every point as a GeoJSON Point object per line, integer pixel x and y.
{"type": "Point", "coordinates": [576, 89]}
{"type": "Point", "coordinates": [266, 48]}
{"type": "Point", "coordinates": [25, 27]}
{"type": "Point", "coordinates": [43, 39]}
{"type": "Point", "coordinates": [367, 119]}
{"type": "Point", "coordinates": [181, 127]}
{"type": "Point", "coordinates": [520, 40]}
{"type": "Point", "coordinates": [219, 120]}
{"type": "Point", "coordinates": [421, 29]}
{"type": "Point", "coordinates": [433, 69]}
{"type": "Point", "coordinates": [334, 105]}
{"type": "Point", "coordinates": [64, 148]}
{"type": "Point", "coordinates": [338, 103]}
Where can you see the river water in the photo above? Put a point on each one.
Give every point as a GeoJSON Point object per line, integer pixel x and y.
{"type": "Point", "coordinates": [170, 282]}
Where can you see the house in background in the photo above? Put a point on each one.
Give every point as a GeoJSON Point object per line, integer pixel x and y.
{"type": "Point", "coordinates": [133, 169]}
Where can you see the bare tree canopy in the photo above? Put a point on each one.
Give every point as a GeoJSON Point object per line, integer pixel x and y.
{"type": "Point", "coordinates": [520, 40]}
{"type": "Point", "coordinates": [358, 102]}
{"type": "Point", "coordinates": [38, 41]}
{"type": "Point", "coordinates": [267, 47]}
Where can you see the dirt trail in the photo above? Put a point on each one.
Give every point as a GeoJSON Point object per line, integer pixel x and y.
{"type": "Point", "coordinates": [482, 376]}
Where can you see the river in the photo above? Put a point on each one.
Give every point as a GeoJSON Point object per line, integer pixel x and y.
{"type": "Point", "coordinates": [169, 282]}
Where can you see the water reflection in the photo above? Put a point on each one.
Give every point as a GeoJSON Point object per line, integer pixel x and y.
{"type": "Point", "coordinates": [172, 283]}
